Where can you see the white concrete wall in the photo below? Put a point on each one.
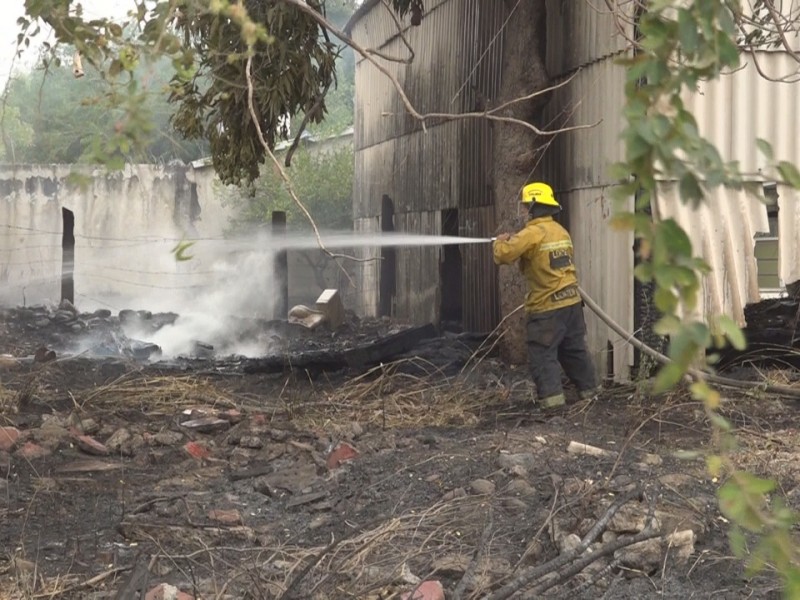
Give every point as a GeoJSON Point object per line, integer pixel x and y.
{"type": "Point", "coordinates": [126, 224]}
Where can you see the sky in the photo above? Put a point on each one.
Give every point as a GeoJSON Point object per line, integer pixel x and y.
{"type": "Point", "coordinates": [16, 8]}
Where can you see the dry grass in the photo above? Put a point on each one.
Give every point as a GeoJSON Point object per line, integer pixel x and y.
{"type": "Point", "coordinates": [387, 396]}
{"type": "Point", "coordinates": [375, 563]}
{"type": "Point", "coordinates": [154, 393]}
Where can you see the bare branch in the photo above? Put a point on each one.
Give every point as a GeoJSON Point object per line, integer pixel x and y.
{"type": "Point", "coordinates": [282, 172]}
{"type": "Point", "coordinates": [422, 118]}
{"type": "Point", "coordinates": [402, 36]}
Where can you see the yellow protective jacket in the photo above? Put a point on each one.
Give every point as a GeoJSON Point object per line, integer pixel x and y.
{"type": "Point", "coordinates": [545, 254]}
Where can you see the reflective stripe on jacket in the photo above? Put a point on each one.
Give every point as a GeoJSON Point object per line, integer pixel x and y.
{"type": "Point", "coordinates": [545, 254]}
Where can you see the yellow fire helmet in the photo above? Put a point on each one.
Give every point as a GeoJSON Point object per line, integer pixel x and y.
{"type": "Point", "coordinates": [540, 193]}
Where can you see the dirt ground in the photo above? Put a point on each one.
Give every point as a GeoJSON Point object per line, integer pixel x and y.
{"type": "Point", "coordinates": [195, 480]}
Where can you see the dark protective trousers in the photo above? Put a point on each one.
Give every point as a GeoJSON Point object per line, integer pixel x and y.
{"type": "Point", "coordinates": [557, 339]}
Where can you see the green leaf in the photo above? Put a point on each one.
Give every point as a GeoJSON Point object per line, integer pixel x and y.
{"type": "Point", "coordinates": [765, 147]}
{"type": "Point", "coordinates": [737, 541]}
{"type": "Point", "coordinates": [667, 378]}
{"type": "Point", "coordinates": [734, 503]}
{"type": "Point", "coordinates": [675, 238]}
{"type": "Point", "coordinates": [720, 422]}
{"type": "Point", "coordinates": [690, 189]}
{"type": "Point", "coordinates": [666, 301]}
{"type": "Point", "coordinates": [667, 325]}
{"type": "Point", "coordinates": [755, 485]}
{"type": "Point", "coordinates": [732, 331]}
{"type": "Point", "coordinates": [687, 31]}
{"type": "Point", "coordinates": [643, 272]}
{"type": "Point", "coordinates": [789, 173]}
{"type": "Point", "coordinates": [729, 54]}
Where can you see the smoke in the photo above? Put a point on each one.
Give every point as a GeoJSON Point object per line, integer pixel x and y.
{"type": "Point", "coordinates": [237, 292]}
{"type": "Point", "coordinates": [219, 298]}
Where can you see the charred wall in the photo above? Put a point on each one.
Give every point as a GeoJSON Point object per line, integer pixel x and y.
{"type": "Point", "coordinates": [434, 173]}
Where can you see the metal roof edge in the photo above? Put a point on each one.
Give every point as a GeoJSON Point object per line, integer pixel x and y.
{"type": "Point", "coordinates": [366, 6]}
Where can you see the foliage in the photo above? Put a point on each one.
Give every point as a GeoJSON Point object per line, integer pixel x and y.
{"type": "Point", "coordinates": [681, 44]}
{"type": "Point", "coordinates": [17, 135]}
{"type": "Point", "coordinates": [324, 180]}
{"type": "Point", "coordinates": [208, 43]}
{"type": "Point", "coordinates": [67, 120]}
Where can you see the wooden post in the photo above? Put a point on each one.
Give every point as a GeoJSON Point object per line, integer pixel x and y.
{"type": "Point", "coordinates": [281, 270]}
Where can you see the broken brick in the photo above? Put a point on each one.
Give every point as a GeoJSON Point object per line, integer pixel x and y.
{"type": "Point", "coordinates": [226, 517]}
{"type": "Point", "coordinates": [196, 450]}
{"type": "Point", "coordinates": [231, 415]}
{"type": "Point", "coordinates": [342, 453]}
{"type": "Point", "coordinates": [90, 445]}
{"type": "Point", "coordinates": [165, 591]}
{"type": "Point", "coordinates": [427, 590]}
{"type": "Point", "coordinates": [31, 451]}
{"type": "Point", "coordinates": [8, 437]}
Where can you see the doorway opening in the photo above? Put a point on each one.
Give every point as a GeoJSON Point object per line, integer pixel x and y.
{"type": "Point", "coordinates": [68, 255]}
{"type": "Point", "coordinates": [451, 311]}
{"type": "Point", "coordinates": [388, 281]}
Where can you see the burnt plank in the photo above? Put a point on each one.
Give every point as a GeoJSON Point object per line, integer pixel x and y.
{"type": "Point", "coordinates": [358, 357]}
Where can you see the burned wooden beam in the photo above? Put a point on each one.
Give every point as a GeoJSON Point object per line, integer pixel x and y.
{"type": "Point", "coordinates": [358, 357]}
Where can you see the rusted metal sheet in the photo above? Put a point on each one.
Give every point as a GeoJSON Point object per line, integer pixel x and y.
{"type": "Point", "coordinates": [604, 258]}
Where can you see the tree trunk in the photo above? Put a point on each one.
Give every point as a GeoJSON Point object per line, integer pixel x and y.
{"type": "Point", "coordinates": [515, 148]}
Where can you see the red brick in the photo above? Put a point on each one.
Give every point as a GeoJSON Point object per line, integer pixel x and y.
{"type": "Point", "coordinates": [342, 453]}
{"type": "Point", "coordinates": [90, 445]}
{"type": "Point", "coordinates": [31, 451]}
{"type": "Point", "coordinates": [231, 415]}
{"type": "Point", "coordinates": [427, 590]}
{"type": "Point", "coordinates": [8, 437]}
{"type": "Point", "coordinates": [196, 450]}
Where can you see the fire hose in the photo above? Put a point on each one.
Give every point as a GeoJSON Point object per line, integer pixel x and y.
{"type": "Point", "coordinates": [783, 390]}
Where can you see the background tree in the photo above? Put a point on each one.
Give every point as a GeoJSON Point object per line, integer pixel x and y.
{"type": "Point", "coordinates": [63, 117]}
{"type": "Point", "coordinates": [209, 43]}
{"type": "Point", "coordinates": [323, 179]}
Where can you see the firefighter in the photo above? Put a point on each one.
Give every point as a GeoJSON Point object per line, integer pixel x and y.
{"type": "Point", "coordinates": [555, 327]}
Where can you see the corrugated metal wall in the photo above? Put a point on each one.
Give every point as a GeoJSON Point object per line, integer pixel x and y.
{"type": "Point", "coordinates": [582, 33]}
{"type": "Point", "coordinates": [723, 231]}
{"type": "Point", "coordinates": [583, 43]}
{"type": "Point", "coordinates": [732, 113]}
{"type": "Point", "coordinates": [447, 165]}
{"type": "Point", "coordinates": [604, 258]}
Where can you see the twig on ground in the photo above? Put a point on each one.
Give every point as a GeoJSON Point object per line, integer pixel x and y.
{"type": "Point", "coordinates": [530, 576]}
{"type": "Point", "coordinates": [289, 591]}
{"type": "Point", "coordinates": [480, 550]}
{"type": "Point", "coordinates": [579, 565]}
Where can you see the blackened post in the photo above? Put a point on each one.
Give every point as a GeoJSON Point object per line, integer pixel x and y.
{"type": "Point", "coordinates": [281, 269]}
{"type": "Point", "coordinates": [68, 255]}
